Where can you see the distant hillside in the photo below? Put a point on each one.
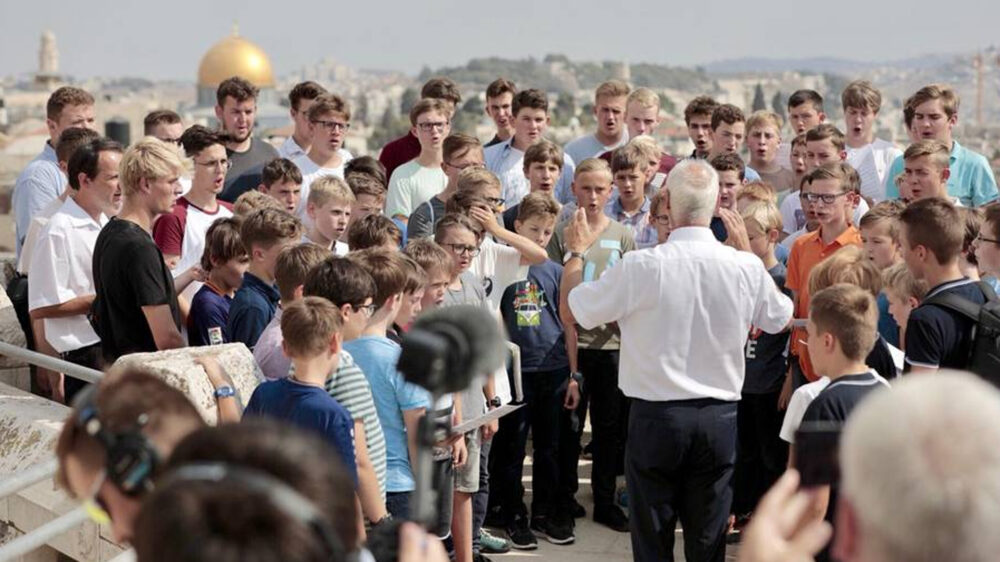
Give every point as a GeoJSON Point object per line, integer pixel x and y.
{"type": "Point", "coordinates": [558, 73]}
{"type": "Point", "coordinates": [829, 65]}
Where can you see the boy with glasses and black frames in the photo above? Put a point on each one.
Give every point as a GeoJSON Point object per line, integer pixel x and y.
{"type": "Point", "coordinates": [458, 152]}
{"type": "Point", "coordinates": [423, 177]}
{"type": "Point", "coordinates": [329, 121]}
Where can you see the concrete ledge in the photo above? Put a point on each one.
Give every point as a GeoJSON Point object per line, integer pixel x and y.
{"type": "Point", "coordinates": [10, 331]}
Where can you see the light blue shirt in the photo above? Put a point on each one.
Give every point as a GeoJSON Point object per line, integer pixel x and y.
{"type": "Point", "coordinates": [588, 146]}
{"type": "Point", "coordinates": [640, 223]}
{"type": "Point", "coordinates": [507, 163]}
{"type": "Point", "coordinates": [377, 357]}
{"type": "Point", "coordinates": [971, 180]}
{"type": "Point", "coordinates": [39, 184]}
{"type": "Point", "coordinates": [750, 174]}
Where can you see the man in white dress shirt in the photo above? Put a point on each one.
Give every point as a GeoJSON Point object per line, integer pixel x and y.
{"type": "Point", "coordinates": [684, 309]}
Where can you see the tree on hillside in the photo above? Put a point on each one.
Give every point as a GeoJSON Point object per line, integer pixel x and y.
{"type": "Point", "coordinates": [410, 98]}
{"type": "Point", "coordinates": [564, 110]}
{"type": "Point", "coordinates": [758, 98]}
{"type": "Point", "coordinates": [778, 105]}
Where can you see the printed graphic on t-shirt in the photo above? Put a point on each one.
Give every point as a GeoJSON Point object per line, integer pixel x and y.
{"type": "Point", "coordinates": [528, 303]}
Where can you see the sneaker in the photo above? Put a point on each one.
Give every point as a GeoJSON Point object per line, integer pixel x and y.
{"type": "Point", "coordinates": [554, 529]}
{"type": "Point", "coordinates": [492, 544]}
{"type": "Point", "coordinates": [577, 510]}
{"type": "Point", "coordinates": [611, 517]}
{"type": "Point", "coordinates": [520, 537]}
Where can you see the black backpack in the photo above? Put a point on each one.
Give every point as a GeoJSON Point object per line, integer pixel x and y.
{"type": "Point", "coordinates": [984, 353]}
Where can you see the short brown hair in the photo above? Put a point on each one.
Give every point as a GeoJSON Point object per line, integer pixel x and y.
{"type": "Point", "coordinates": [280, 170]}
{"type": "Point", "coordinates": [388, 269]}
{"type": "Point", "coordinates": [159, 117]}
{"type": "Point", "coordinates": [899, 280]}
{"type": "Point", "coordinates": [307, 90]}
{"type": "Point", "coordinates": [373, 231]}
{"type": "Point", "coordinates": [936, 225]}
{"type": "Point", "coordinates": [71, 139]}
{"type": "Point", "coordinates": [308, 325]}
{"type": "Point", "coordinates": [991, 216]}
{"type": "Point", "coordinates": [800, 97]}
{"type": "Point", "coordinates": [939, 152]}
{"type": "Point", "coordinates": [850, 315]}
{"type": "Point", "coordinates": [476, 180]}
{"type": "Point", "coordinates": [825, 131]}
{"type": "Point", "coordinates": [849, 264]}
{"type": "Point", "coordinates": [367, 165]}
{"type": "Point", "coordinates": [949, 99]}
{"type": "Point", "coordinates": [416, 277]}
{"type": "Point", "coordinates": [611, 89]}
{"type": "Point", "coordinates": [441, 88]}
{"type": "Point", "coordinates": [972, 219]}
{"type": "Point", "coordinates": [542, 152]}
{"type": "Point", "coordinates": [427, 105]}
{"type": "Point", "coordinates": [199, 137]}
{"type": "Point", "coordinates": [842, 171]}
{"type": "Point", "coordinates": [329, 103]}
{"type": "Point", "coordinates": [363, 184]}
{"type": "Point", "coordinates": [222, 243]}
{"type": "Point", "coordinates": [430, 256]}
{"type": "Point", "coordinates": [237, 88]}
{"type": "Point", "coordinates": [537, 204]}
{"type": "Point", "coordinates": [727, 113]}
{"type": "Point", "coordinates": [629, 157]}
{"type": "Point", "coordinates": [884, 212]}
{"type": "Point", "coordinates": [457, 145]}
{"type": "Point", "coordinates": [860, 94]}
{"type": "Point", "coordinates": [254, 200]}
{"type": "Point", "coordinates": [293, 266]}
{"type": "Point", "coordinates": [266, 227]}
{"type": "Point", "coordinates": [499, 87]}
{"type": "Point", "coordinates": [456, 220]}
{"type": "Point", "coordinates": [340, 281]}
{"type": "Point", "coordinates": [729, 162]}
{"type": "Point", "coordinates": [66, 96]}
{"type": "Point", "coordinates": [123, 396]}
{"type": "Point", "coordinates": [699, 106]}
{"type": "Point", "coordinates": [530, 98]}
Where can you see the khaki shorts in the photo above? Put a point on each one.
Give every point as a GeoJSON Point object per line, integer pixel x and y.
{"type": "Point", "coordinates": [467, 477]}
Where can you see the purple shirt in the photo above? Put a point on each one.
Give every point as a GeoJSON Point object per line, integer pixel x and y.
{"type": "Point", "coordinates": [268, 353]}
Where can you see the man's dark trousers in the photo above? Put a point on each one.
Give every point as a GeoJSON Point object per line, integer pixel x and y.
{"type": "Point", "coordinates": [679, 465]}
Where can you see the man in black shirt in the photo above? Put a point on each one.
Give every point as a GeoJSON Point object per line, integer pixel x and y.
{"type": "Point", "coordinates": [136, 304]}
{"type": "Point", "coordinates": [843, 328]}
{"type": "Point", "coordinates": [936, 337]}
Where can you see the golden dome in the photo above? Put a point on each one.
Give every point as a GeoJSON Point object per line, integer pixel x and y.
{"type": "Point", "coordinates": [235, 56]}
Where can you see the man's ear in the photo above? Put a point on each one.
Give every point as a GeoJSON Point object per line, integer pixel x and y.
{"type": "Point", "coordinates": [822, 117]}
{"type": "Point", "coordinates": [336, 342]}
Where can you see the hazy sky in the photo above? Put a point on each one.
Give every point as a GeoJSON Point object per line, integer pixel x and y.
{"type": "Point", "coordinates": [166, 38]}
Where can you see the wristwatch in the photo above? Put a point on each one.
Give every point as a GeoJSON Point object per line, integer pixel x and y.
{"type": "Point", "coordinates": [225, 392]}
{"type": "Point", "coordinates": [495, 402]}
{"type": "Point", "coordinates": [570, 255]}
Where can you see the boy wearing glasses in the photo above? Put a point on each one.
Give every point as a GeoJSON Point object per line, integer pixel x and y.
{"type": "Point", "coordinates": [329, 120]}
{"type": "Point", "coordinates": [300, 99]}
{"type": "Point", "coordinates": [420, 179]}
{"type": "Point", "coordinates": [459, 152]}
{"type": "Point", "coordinates": [180, 234]}
{"type": "Point", "coordinates": [830, 191]}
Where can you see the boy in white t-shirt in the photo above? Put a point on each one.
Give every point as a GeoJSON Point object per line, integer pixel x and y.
{"type": "Point", "coordinates": [329, 121]}
{"type": "Point", "coordinates": [870, 156]}
{"type": "Point", "coordinates": [421, 178]}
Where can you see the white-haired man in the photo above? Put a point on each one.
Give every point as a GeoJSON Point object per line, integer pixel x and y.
{"type": "Point", "coordinates": [683, 308]}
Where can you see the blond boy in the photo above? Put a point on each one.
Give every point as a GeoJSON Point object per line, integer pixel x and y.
{"type": "Point", "coordinates": [904, 292]}
{"type": "Point", "coordinates": [329, 210]}
{"type": "Point", "coordinates": [610, 100]}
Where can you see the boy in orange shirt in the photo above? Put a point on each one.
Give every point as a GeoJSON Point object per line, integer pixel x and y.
{"type": "Point", "coordinates": [831, 191]}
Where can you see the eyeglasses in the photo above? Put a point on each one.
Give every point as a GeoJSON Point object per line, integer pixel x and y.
{"type": "Point", "coordinates": [332, 125]}
{"type": "Point", "coordinates": [826, 198]}
{"type": "Point", "coordinates": [663, 220]}
{"type": "Point", "coordinates": [496, 201]}
{"type": "Point", "coordinates": [460, 249]}
{"type": "Point", "coordinates": [223, 164]}
{"type": "Point", "coordinates": [431, 125]}
{"type": "Point", "coordinates": [366, 309]}
{"type": "Point", "coordinates": [94, 506]}
{"type": "Point", "coordinates": [980, 238]}
{"type": "Point", "coordinates": [470, 165]}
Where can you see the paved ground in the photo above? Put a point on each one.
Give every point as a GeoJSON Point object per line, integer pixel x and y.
{"type": "Point", "coordinates": [594, 543]}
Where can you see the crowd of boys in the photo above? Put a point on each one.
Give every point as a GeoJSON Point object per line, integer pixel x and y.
{"type": "Point", "coordinates": [701, 308]}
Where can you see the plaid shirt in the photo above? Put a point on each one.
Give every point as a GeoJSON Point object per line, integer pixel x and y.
{"type": "Point", "coordinates": [643, 230]}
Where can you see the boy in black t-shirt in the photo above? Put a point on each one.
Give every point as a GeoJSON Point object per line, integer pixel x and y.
{"type": "Point", "coordinates": [936, 337]}
{"type": "Point", "coordinates": [843, 328]}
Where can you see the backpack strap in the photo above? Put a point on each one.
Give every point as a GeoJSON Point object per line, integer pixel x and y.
{"type": "Point", "coordinates": [962, 305]}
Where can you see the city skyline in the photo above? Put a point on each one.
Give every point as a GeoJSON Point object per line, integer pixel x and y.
{"type": "Point", "coordinates": [170, 43]}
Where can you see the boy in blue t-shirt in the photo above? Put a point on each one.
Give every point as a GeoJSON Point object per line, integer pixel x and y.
{"type": "Point", "coordinates": [312, 340]}
{"type": "Point", "coordinates": [762, 455]}
{"type": "Point", "coordinates": [530, 311]}
{"type": "Point", "coordinates": [225, 259]}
